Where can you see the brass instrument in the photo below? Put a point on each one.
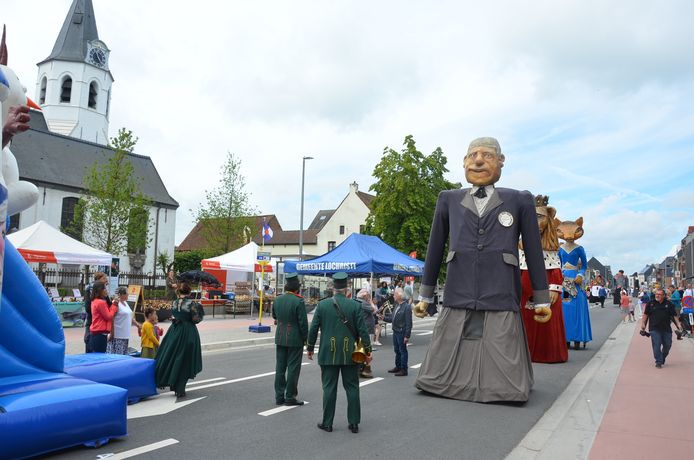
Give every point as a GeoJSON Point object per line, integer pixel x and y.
{"type": "Point", "coordinates": [359, 353]}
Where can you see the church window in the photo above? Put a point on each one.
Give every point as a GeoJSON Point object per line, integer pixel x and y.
{"type": "Point", "coordinates": [331, 245]}
{"type": "Point", "coordinates": [108, 102]}
{"type": "Point", "coordinates": [14, 222]}
{"type": "Point", "coordinates": [342, 229]}
{"type": "Point", "coordinates": [137, 231]}
{"type": "Point", "coordinates": [70, 223]}
{"type": "Point", "coordinates": [66, 90]}
{"type": "Point", "coordinates": [42, 94]}
{"type": "Point", "coordinates": [92, 95]}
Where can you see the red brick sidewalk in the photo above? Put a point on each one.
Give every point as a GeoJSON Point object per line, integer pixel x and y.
{"type": "Point", "coordinates": [649, 413]}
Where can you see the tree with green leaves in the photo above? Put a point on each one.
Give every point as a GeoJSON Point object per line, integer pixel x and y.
{"type": "Point", "coordinates": [113, 215]}
{"type": "Point", "coordinates": [407, 186]}
{"type": "Point", "coordinates": [226, 211]}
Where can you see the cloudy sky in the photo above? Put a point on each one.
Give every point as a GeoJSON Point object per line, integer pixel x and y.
{"type": "Point", "coordinates": [591, 100]}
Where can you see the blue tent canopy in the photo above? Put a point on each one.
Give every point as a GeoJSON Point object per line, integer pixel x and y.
{"type": "Point", "coordinates": [359, 255]}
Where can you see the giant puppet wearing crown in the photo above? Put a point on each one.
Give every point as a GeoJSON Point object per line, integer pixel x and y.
{"type": "Point", "coordinates": [546, 337]}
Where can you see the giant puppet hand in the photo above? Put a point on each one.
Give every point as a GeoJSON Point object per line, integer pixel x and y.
{"type": "Point", "coordinates": [420, 310]}
{"type": "Point", "coordinates": [578, 280]}
{"type": "Point", "coordinates": [542, 314]}
{"type": "Point", "coordinates": [17, 122]}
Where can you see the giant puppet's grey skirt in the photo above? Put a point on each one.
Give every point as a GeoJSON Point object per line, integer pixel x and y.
{"type": "Point", "coordinates": [479, 356]}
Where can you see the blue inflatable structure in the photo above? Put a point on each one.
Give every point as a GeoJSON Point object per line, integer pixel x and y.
{"type": "Point", "coordinates": [41, 407]}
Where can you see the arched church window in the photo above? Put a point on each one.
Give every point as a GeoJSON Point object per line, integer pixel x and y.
{"type": "Point", "coordinates": [42, 94]}
{"type": "Point", "coordinates": [108, 102]}
{"type": "Point", "coordinates": [66, 90]}
{"type": "Point", "coordinates": [92, 95]}
{"type": "Point", "coordinates": [70, 221]}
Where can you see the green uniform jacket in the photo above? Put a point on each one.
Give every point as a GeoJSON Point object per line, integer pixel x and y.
{"type": "Point", "coordinates": [292, 325]}
{"type": "Point", "coordinates": [336, 340]}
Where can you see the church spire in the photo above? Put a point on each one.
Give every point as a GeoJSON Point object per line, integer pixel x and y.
{"type": "Point", "coordinates": [78, 29]}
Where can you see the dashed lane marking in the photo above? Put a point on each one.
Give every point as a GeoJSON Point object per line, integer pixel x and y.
{"type": "Point", "coordinates": [279, 409]}
{"type": "Point", "coordinates": [143, 449]}
{"type": "Point", "coordinates": [416, 366]}
{"type": "Point", "coordinates": [370, 381]}
{"type": "Point", "coordinates": [242, 379]}
{"type": "Point", "coordinates": [424, 333]}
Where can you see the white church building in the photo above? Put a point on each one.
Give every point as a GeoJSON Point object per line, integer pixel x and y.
{"type": "Point", "coordinates": [73, 88]}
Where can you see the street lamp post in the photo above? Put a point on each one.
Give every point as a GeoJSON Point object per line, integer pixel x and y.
{"type": "Point", "coordinates": [301, 218]}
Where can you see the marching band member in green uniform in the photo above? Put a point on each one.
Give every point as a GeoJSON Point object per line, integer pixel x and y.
{"type": "Point", "coordinates": [289, 313]}
{"type": "Point", "coordinates": [334, 317]}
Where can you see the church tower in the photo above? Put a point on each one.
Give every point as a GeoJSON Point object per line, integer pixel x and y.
{"type": "Point", "coordinates": [73, 86]}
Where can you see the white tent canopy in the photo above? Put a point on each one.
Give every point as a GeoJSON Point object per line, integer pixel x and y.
{"type": "Point", "coordinates": [243, 259]}
{"type": "Point", "coordinates": [43, 243]}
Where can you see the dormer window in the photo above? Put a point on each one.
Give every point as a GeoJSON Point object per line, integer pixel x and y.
{"type": "Point", "coordinates": [92, 95]}
{"type": "Point", "coordinates": [66, 90]}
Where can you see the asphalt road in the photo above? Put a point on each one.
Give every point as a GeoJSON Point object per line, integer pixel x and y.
{"type": "Point", "coordinates": [398, 421]}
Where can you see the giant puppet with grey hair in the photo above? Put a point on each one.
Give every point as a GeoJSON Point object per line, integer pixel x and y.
{"type": "Point", "coordinates": [479, 350]}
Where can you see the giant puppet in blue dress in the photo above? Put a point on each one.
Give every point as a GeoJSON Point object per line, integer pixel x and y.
{"type": "Point", "coordinates": [573, 265]}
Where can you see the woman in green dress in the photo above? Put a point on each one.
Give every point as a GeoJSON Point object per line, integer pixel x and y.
{"type": "Point", "coordinates": [180, 356]}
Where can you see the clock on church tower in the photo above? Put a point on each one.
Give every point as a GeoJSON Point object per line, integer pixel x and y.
{"type": "Point", "coordinates": [97, 54]}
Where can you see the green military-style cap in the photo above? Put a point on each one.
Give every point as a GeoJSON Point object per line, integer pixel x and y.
{"type": "Point", "coordinates": [340, 280]}
{"type": "Point", "coordinates": [291, 281]}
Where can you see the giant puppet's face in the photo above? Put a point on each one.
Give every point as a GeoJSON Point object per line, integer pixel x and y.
{"type": "Point", "coordinates": [483, 165]}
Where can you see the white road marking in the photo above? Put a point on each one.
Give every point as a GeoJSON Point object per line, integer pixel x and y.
{"type": "Point", "coordinates": [144, 449]}
{"type": "Point", "coordinates": [242, 379]}
{"type": "Point", "coordinates": [199, 382]}
{"type": "Point", "coordinates": [416, 366]}
{"type": "Point", "coordinates": [370, 381]}
{"type": "Point", "coordinates": [158, 405]}
{"type": "Point", "coordinates": [425, 333]}
{"type": "Point", "coordinates": [279, 409]}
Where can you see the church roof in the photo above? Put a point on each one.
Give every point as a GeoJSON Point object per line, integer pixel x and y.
{"type": "Point", "coordinates": [57, 161]}
{"type": "Point", "coordinates": [78, 29]}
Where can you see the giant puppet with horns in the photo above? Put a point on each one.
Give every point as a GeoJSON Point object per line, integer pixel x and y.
{"type": "Point", "coordinates": [479, 350]}
{"type": "Point", "coordinates": [546, 336]}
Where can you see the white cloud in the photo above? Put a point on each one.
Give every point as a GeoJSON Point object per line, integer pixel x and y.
{"type": "Point", "coordinates": [591, 100]}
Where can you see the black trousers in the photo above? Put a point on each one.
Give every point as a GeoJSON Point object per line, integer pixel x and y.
{"type": "Point", "coordinates": [98, 342]}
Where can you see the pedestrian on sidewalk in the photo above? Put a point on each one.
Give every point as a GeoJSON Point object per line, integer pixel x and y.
{"type": "Point", "coordinates": [149, 338]}
{"type": "Point", "coordinates": [624, 303]}
{"type": "Point", "coordinates": [402, 328]}
{"type": "Point", "coordinates": [341, 323]}
{"type": "Point", "coordinates": [657, 316]}
{"type": "Point", "coordinates": [101, 278]}
{"type": "Point", "coordinates": [102, 318]}
{"type": "Point", "coordinates": [291, 333]}
{"type": "Point", "coordinates": [119, 338]}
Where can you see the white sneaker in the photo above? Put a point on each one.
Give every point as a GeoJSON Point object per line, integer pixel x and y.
{"type": "Point", "coordinates": [377, 343]}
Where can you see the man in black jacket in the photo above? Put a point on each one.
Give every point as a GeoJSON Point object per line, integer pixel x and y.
{"type": "Point", "coordinates": [658, 315]}
{"type": "Point", "coordinates": [402, 328]}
